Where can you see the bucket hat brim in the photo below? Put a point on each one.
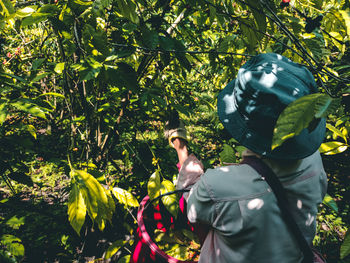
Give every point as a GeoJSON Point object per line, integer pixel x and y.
{"type": "Point", "coordinates": [297, 147]}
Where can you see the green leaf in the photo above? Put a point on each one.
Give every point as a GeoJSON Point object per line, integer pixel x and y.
{"type": "Point", "coordinates": [98, 201]}
{"type": "Point", "coordinates": [54, 94]}
{"type": "Point", "coordinates": [27, 11]}
{"type": "Point", "coordinates": [83, 2]}
{"type": "Point", "coordinates": [3, 112]}
{"type": "Point", "coordinates": [226, 43]}
{"type": "Point", "coordinates": [150, 38]}
{"type": "Point", "coordinates": [31, 129]}
{"type": "Point", "coordinates": [334, 147]}
{"type": "Point", "coordinates": [153, 185]}
{"type": "Point", "coordinates": [76, 209]}
{"type": "Point", "coordinates": [12, 244]}
{"type": "Point", "coordinates": [29, 107]}
{"type": "Point", "coordinates": [326, 105]}
{"type": "Point", "coordinates": [227, 155]}
{"type": "Point", "coordinates": [15, 223]}
{"type": "Point", "coordinates": [171, 201]}
{"type": "Point", "coordinates": [329, 201]}
{"type": "Point", "coordinates": [112, 249]}
{"type": "Point", "coordinates": [345, 247]}
{"type": "Point", "coordinates": [299, 114]}
{"type": "Point", "coordinates": [7, 7]}
{"type": "Point", "coordinates": [125, 259]}
{"type": "Point", "coordinates": [247, 27]}
{"type": "Point", "coordinates": [127, 9]}
{"type": "Point", "coordinates": [37, 63]}
{"type": "Point", "coordinates": [59, 67]}
{"type": "Point", "coordinates": [346, 16]}
{"type": "Point", "coordinates": [34, 19]}
{"type": "Point", "coordinates": [337, 132]}
{"type": "Point", "coordinates": [260, 17]}
{"type": "Point", "coordinates": [125, 197]}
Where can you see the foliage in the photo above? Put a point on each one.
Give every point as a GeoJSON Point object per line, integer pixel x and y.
{"type": "Point", "coordinates": [91, 82]}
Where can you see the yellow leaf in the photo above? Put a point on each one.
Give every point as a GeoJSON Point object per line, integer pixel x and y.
{"type": "Point", "coordinates": [125, 197]}
{"type": "Point", "coordinates": [76, 209]}
{"type": "Point", "coordinates": [114, 248]}
{"type": "Point", "coordinates": [153, 185]}
{"type": "Point", "coordinates": [98, 200]}
{"type": "Point", "coordinates": [171, 201]}
{"type": "Point", "coordinates": [334, 147]}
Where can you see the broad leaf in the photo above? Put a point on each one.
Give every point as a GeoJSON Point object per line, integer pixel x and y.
{"type": "Point", "coordinates": [31, 129]}
{"type": "Point", "coordinates": [127, 9]}
{"type": "Point", "coordinates": [29, 107]}
{"type": "Point", "coordinates": [335, 131]}
{"type": "Point", "coordinates": [112, 249]}
{"type": "Point", "coordinates": [153, 185]}
{"type": "Point", "coordinates": [13, 244]}
{"type": "Point", "coordinates": [334, 147]}
{"type": "Point", "coordinates": [299, 114]}
{"type": "Point", "coordinates": [227, 155]}
{"type": "Point", "coordinates": [76, 209]}
{"type": "Point", "coordinates": [26, 11]}
{"type": "Point", "coordinates": [125, 197]}
{"type": "Point", "coordinates": [7, 7]}
{"type": "Point", "coordinates": [329, 201]}
{"type": "Point", "coordinates": [170, 201]}
{"type": "Point", "coordinates": [98, 201]}
{"type": "Point", "coordinates": [15, 223]}
{"type": "Point", "coordinates": [34, 19]}
{"type": "Point", "coordinates": [59, 67]}
{"type": "Point", "coordinates": [345, 247]}
{"type": "Point", "coordinates": [3, 112]}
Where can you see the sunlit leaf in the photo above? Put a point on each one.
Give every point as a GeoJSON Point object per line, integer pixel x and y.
{"type": "Point", "coordinates": [31, 129]}
{"type": "Point", "coordinates": [346, 17]}
{"type": "Point", "coordinates": [98, 201]}
{"type": "Point", "coordinates": [125, 197]}
{"type": "Point", "coordinates": [26, 11]}
{"type": "Point", "coordinates": [15, 223]}
{"type": "Point", "coordinates": [13, 245]}
{"type": "Point", "coordinates": [54, 94]}
{"type": "Point", "coordinates": [125, 259]}
{"type": "Point", "coordinates": [76, 209]}
{"type": "Point", "coordinates": [112, 249]}
{"type": "Point", "coordinates": [29, 107]}
{"type": "Point", "coordinates": [334, 147]}
{"type": "Point", "coordinates": [34, 19]}
{"type": "Point", "coordinates": [3, 112]}
{"type": "Point", "coordinates": [336, 131]}
{"type": "Point", "coordinates": [153, 185]}
{"type": "Point", "coordinates": [7, 7]}
{"type": "Point", "coordinates": [329, 201]}
{"type": "Point", "coordinates": [59, 67]}
{"type": "Point", "coordinates": [299, 114]}
{"type": "Point", "coordinates": [171, 201]}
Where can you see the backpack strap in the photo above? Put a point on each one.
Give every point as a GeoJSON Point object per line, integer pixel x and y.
{"type": "Point", "coordinates": [271, 178]}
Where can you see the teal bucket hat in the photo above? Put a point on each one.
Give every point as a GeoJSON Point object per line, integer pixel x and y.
{"type": "Point", "coordinates": [249, 106]}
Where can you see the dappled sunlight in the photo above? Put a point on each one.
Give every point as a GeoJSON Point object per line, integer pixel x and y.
{"type": "Point", "coordinates": [256, 203]}
{"type": "Point", "coordinates": [299, 204]}
{"type": "Point", "coordinates": [230, 108]}
{"type": "Point", "coordinates": [310, 219]}
{"type": "Point", "coordinates": [192, 213]}
{"type": "Point", "coordinates": [224, 169]}
{"type": "Point", "coordinates": [268, 80]}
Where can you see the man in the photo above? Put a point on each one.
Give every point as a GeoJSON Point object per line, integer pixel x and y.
{"type": "Point", "coordinates": [236, 205]}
